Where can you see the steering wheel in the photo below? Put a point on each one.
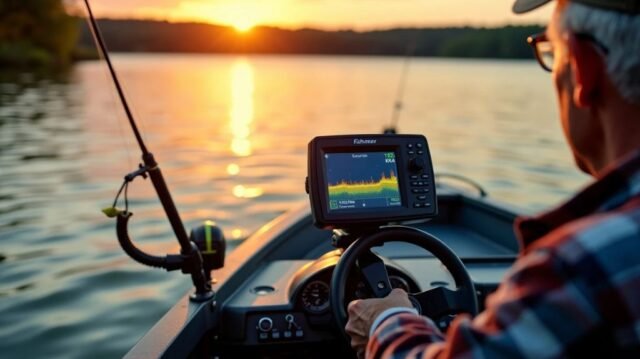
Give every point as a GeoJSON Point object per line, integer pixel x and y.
{"type": "Point", "coordinates": [433, 303]}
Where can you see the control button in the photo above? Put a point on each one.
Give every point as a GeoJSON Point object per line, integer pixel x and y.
{"type": "Point", "coordinates": [427, 205]}
{"type": "Point", "coordinates": [414, 183]}
{"type": "Point", "coordinates": [416, 190]}
{"type": "Point", "coordinates": [409, 145]}
{"type": "Point", "coordinates": [420, 184]}
{"type": "Point", "coordinates": [419, 145]}
{"type": "Point", "coordinates": [306, 184]}
{"type": "Point", "coordinates": [422, 198]}
{"type": "Point", "coordinates": [421, 152]}
{"type": "Point", "coordinates": [291, 321]}
{"type": "Point", "coordinates": [414, 177]}
{"type": "Point", "coordinates": [265, 324]}
{"type": "Point", "coordinates": [411, 153]}
{"type": "Point", "coordinates": [288, 334]}
{"type": "Point", "coordinates": [299, 333]}
{"type": "Point", "coordinates": [275, 334]}
{"type": "Point", "coordinates": [425, 176]}
{"type": "Point", "coordinates": [263, 336]}
{"type": "Point", "coordinates": [417, 164]}
{"type": "Point", "coordinates": [417, 205]}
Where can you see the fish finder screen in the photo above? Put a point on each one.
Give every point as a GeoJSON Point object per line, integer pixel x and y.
{"type": "Point", "coordinates": [362, 180]}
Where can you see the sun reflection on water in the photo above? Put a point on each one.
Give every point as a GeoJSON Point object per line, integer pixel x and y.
{"type": "Point", "coordinates": [241, 113]}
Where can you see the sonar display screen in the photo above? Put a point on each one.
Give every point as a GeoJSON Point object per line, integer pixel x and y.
{"type": "Point", "coordinates": [362, 180]}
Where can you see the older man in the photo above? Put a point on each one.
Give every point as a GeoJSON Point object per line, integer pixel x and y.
{"type": "Point", "coordinates": [575, 289]}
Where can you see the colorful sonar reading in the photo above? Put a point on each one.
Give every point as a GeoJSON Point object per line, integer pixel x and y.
{"type": "Point", "coordinates": [384, 187]}
{"type": "Point", "coordinates": [362, 180]}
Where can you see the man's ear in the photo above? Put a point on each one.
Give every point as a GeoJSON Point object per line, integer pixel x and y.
{"type": "Point", "coordinates": [588, 71]}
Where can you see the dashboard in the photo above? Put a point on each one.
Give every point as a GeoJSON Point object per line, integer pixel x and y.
{"type": "Point", "coordinates": [287, 301]}
{"type": "Point", "coordinates": [312, 285]}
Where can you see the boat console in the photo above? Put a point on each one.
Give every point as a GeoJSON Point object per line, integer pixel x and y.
{"type": "Point", "coordinates": [377, 220]}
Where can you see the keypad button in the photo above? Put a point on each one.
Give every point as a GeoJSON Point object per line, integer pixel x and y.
{"type": "Point", "coordinates": [409, 145]}
{"type": "Point", "coordinates": [421, 152]}
{"type": "Point", "coordinates": [417, 205]}
{"type": "Point", "coordinates": [419, 145]}
{"type": "Point", "coordinates": [411, 153]}
{"type": "Point", "coordinates": [422, 198]}
{"type": "Point", "coordinates": [425, 176]}
{"type": "Point", "coordinates": [416, 190]}
{"type": "Point", "coordinates": [414, 177]}
{"type": "Point", "coordinates": [414, 183]}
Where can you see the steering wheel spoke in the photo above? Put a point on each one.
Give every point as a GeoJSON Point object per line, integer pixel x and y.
{"type": "Point", "coordinates": [375, 274]}
{"type": "Point", "coordinates": [440, 301]}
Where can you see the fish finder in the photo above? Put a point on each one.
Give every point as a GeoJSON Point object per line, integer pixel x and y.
{"type": "Point", "coordinates": [357, 181]}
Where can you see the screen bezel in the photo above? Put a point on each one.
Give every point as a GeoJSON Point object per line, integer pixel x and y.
{"type": "Point", "coordinates": [401, 145]}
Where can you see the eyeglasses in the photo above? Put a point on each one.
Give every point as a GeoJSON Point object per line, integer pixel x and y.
{"type": "Point", "coordinates": [543, 49]}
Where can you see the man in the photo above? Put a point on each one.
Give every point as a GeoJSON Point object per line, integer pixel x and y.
{"type": "Point", "coordinates": [575, 289]}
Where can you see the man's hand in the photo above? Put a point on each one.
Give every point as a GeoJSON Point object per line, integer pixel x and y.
{"type": "Point", "coordinates": [362, 314]}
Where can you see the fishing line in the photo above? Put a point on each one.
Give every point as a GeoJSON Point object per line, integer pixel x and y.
{"type": "Point", "coordinates": [124, 139]}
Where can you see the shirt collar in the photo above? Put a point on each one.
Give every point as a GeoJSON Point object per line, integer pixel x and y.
{"type": "Point", "coordinates": [616, 186]}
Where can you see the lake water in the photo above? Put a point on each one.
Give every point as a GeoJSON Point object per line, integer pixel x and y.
{"type": "Point", "coordinates": [230, 134]}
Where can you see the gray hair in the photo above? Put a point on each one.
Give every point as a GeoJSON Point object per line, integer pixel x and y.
{"type": "Point", "coordinates": [620, 33]}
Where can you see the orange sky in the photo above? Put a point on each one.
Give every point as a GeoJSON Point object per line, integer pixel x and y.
{"type": "Point", "coordinates": [328, 14]}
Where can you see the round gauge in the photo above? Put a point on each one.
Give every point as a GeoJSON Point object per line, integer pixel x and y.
{"type": "Point", "coordinates": [399, 282]}
{"type": "Point", "coordinates": [315, 297]}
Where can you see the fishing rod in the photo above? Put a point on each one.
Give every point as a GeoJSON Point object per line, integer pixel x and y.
{"type": "Point", "coordinates": [398, 104]}
{"type": "Point", "coordinates": [190, 259]}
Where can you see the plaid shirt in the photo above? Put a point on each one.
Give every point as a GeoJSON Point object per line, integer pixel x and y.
{"type": "Point", "coordinates": [573, 292]}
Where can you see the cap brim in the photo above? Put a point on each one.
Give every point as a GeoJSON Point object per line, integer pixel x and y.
{"type": "Point", "coordinates": [523, 6]}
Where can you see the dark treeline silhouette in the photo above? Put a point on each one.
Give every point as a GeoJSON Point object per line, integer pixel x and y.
{"type": "Point", "coordinates": [36, 33]}
{"type": "Point", "coordinates": [159, 36]}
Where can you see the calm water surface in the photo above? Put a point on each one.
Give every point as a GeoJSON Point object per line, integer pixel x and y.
{"type": "Point", "coordinates": [231, 134]}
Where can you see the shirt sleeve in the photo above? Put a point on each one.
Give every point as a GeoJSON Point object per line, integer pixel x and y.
{"type": "Point", "coordinates": [537, 312]}
{"type": "Point", "coordinates": [388, 313]}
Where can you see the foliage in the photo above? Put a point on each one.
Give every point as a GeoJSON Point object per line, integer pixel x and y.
{"type": "Point", "coordinates": [158, 36]}
{"type": "Point", "coordinates": [36, 33]}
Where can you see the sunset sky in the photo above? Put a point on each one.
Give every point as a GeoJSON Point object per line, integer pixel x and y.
{"type": "Point", "coordinates": [326, 14]}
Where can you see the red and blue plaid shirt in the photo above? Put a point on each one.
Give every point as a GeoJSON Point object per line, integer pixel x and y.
{"type": "Point", "coordinates": [573, 292]}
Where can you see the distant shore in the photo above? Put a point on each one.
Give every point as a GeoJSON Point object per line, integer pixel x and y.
{"type": "Point", "coordinates": [507, 42]}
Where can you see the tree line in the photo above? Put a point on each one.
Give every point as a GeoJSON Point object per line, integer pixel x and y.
{"type": "Point", "coordinates": [46, 33]}
{"type": "Point", "coordinates": [36, 33]}
{"type": "Point", "coordinates": [467, 42]}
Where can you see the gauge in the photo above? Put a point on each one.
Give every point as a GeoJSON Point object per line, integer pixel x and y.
{"type": "Point", "coordinates": [315, 297]}
{"type": "Point", "coordinates": [399, 282]}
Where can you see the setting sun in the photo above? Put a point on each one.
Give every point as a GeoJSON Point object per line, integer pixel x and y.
{"type": "Point", "coordinates": [243, 26]}
{"type": "Point", "coordinates": [242, 16]}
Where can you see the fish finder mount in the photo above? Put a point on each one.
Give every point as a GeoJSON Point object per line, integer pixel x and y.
{"type": "Point", "coordinates": [358, 183]}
